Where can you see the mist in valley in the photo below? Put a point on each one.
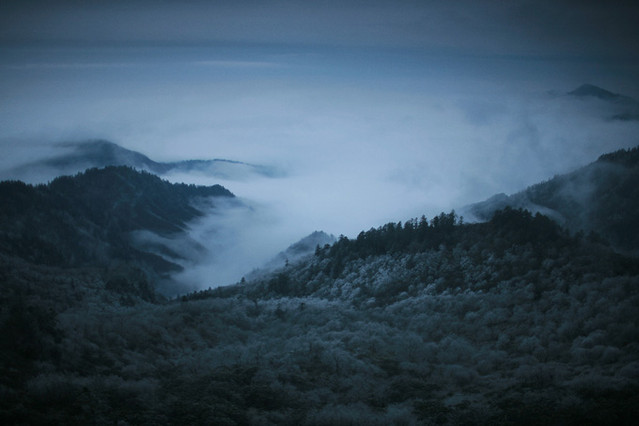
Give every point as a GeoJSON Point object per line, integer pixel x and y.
{"type": "Point", "coordinates": [127, 299]}
{"type": "Point", "coordinates": [353, 153]}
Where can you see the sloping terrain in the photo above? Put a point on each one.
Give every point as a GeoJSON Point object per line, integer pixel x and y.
{"type": "Point", "coordinates": [512, 321]}
{"type": "Point", "coordinates": [624, 108]}
{"type": "Point", "coordinates": [74, 157]}
{"type": "Point", "coordinates": [516, 320]}
{"type": "Point", "coordinates": [88, 219]}
{"type": "Point", "coordinates": [602, 197]}
{"type": "Point", "coordinates": [296, 252]}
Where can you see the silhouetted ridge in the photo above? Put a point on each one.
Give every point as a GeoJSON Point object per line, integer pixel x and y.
{"type": "Point", "coordinates": [625, 157]}
{"type": "Point", "coordinates": [87, 219]}
{"type": "Point", "coordinates": [602, 197]}
{"type": "Point", "coordinates": [139, 200]}
{"type": "Point", "coordinates": [594, 91]}
{"type": "Point", "coordinates": [101, 153]}
{"type": "Point", "coordinates": [72, 157]}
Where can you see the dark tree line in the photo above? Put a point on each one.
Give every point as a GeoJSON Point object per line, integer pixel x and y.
{"type": "Point", "coordinates": [86, 219]}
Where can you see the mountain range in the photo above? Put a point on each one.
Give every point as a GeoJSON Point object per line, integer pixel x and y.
{"type": "Point", "coordinates": [73, 157]}
{"type": "Point", "coordinates": [518, 319]}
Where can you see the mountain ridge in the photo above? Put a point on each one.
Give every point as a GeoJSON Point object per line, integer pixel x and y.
{"type": "Point", "coordinates": [294, 253]}
{"type": "Point", "coordinates": [588, 199]}
{"type": "Point", "coordinates": [101, 153]}
{"type": "Point", "coordinates": [515, 320]}
{"type": "Point", "coordinates": [88, 219]}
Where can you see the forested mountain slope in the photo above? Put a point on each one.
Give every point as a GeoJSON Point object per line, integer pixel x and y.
{"type": "Point", "coordinates": [511, 321]}
{"type": "Point", "coordinates": [397, 261]}
{"type": "Point", "coordinates": [87, 219]}
{"type": "Point", "coordinates": [602, 197]}
{"type": "Point", "coordinates": [294, 253]}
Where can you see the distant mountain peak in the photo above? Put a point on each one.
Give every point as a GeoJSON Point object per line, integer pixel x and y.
{"type": "Point", "coordinates": [624, 108]}
{"type": "Point", "coordinates": [590, 90]}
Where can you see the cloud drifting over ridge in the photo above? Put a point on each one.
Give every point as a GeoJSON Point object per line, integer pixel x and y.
{"type": "Point", "coordinates": [379, 112]}
{"type": "Point", "coordinates": [435, 141]}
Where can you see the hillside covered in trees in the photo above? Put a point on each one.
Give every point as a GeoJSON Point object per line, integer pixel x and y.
{"type": "Point", "coordinates": [88, 219]}
{"type": "Point", "coordinates": [515, 320]}
{"type": "Point", "coordinates": [602, 197]}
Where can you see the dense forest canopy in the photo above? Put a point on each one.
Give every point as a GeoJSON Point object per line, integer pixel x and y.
{"type": "Point", "coordinates": [516, 320]}
{"type": "Point", "coordinates": [87, 219]}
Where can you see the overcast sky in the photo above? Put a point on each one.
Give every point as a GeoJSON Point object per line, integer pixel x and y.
{"type": "Point", "coordinates": [376, 110]}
